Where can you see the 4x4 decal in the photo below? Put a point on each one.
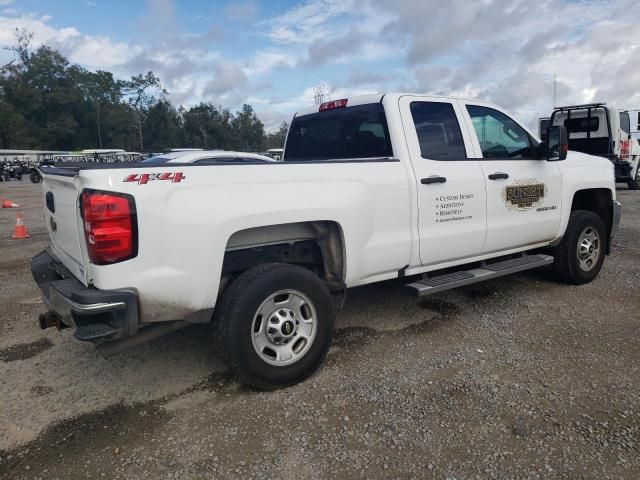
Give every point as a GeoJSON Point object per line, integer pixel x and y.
{"type": "Point", "coordinates": [144, 178]}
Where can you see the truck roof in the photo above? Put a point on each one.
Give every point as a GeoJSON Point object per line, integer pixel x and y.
{"type": "Point", "coordinates": [377, 97]}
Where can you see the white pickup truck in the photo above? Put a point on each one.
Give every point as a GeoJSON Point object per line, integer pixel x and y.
{"type": "Point", "coordinates": [441, 191]}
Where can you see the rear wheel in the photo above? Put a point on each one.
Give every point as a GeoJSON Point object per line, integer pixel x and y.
{"type": "Point", "coordinates": [275, 323]}
{"type": "Point", "coordinates": [580, 255]}
{"type": "Point", "coordinates": [35, 177]}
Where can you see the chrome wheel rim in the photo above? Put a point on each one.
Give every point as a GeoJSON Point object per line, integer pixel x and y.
{"type": "Point", "coordinates": [588, 249]}
{"type": "Point", "coordinates": [284, 327]}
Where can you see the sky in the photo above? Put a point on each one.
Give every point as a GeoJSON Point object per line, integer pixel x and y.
{"type": "Point", "coordinates": [271, 54]}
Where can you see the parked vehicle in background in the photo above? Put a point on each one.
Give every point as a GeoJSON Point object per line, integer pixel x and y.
{"type": "Point", "coordinates": [114, 155]}
{"type": "Point", "coordinates": [371, 188]}
{"type": "Point", "coordinates": [275, 153]}
{"type": "Point", "coordinates": [204, 157]}
{"type": "Point", "coordinates": [69, 158]}
{"type": "Point", "coordinates": [634, 119]}
{"type": "Point", "coordinates": [603, 130]}
{"type": "Point", "coordinates": [10, 171]}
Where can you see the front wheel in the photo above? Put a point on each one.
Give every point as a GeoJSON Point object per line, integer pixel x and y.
{"type": "Point", "coordinates": [35, 177]}
{"type": "Point", "coordinates": [580, 255]}
{"type": "Point", "coordinates": [275, 323]}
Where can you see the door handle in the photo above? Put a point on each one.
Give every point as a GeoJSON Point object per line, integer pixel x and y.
{"type": "Point", "coordinates": [498, 176]}
{"type": "Point", "coordinates": [433, 179]}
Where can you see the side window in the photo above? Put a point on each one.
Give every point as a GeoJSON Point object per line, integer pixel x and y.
{"type": "Point", "coordinates": [438, 131]}
{"type": "Point", "coordinates": [499, 136]}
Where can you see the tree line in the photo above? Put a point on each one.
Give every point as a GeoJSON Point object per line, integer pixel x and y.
{"type": "Point", "coordinates": [49, 103]}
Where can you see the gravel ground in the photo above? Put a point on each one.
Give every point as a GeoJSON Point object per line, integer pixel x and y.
{"type": "Point", "coordinates": [520, 377]}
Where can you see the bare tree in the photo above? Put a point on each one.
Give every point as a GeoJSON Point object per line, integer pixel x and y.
{"type": "Point", "coordinates": [22, 48]}
{"type": "Point", "coordinates": [142, 91]}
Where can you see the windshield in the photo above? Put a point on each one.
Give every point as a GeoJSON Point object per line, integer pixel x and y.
{"type": "Point", "coordinates": [343, 133]}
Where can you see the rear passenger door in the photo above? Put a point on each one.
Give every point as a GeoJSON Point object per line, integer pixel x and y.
{"type": "Point", "coordinates": [450, 185]}
{"type": "Point", "coordinates": [523, 191]}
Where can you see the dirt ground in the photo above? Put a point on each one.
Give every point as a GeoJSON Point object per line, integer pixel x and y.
{"type": "Point", "coordinates": [520, 377]}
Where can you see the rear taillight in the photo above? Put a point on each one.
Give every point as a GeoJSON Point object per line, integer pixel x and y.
{"type": "Point", "coordinates": [110, 226]}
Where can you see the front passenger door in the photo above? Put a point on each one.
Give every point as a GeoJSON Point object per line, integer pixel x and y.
{"type": "Point", "coordinates": [523, 192]}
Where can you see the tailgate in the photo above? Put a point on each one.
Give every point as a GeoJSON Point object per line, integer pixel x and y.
{"type": "Point", "coordinates": [62, 218]}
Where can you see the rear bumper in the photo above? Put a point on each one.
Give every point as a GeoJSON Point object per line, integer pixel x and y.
{"type": "Point", "coordinates": [97, 315]}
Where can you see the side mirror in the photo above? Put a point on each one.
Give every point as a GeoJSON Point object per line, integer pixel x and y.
{"type": "Point", "coordinates": [557, 143]}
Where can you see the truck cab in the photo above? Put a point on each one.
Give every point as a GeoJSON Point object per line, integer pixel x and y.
{"type": "Point", "coordinates": [602, 130]}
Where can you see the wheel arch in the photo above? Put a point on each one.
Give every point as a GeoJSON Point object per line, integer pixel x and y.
{"type": "Point", "coordinates": [318, 245]}
{"type": "Point", "coordinates": [598, 201]}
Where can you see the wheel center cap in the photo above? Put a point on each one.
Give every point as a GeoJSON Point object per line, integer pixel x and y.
{"type": "Point", "coordinates": [287, 328]}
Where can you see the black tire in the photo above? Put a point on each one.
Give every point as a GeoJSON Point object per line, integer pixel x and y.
{"type": "Point", "coordinates": [35, 178]}
{"type": "Point", "coordinates": [567, 265]}
{"type": "Point", "coordinates": [635, 184]}
{"type": "Point", "coordinates": [235, 316]}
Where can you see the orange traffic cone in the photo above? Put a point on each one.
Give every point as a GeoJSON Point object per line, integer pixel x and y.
{"type": "Point", "coordinates": [21, 230]}
{"type": "Point", "coordinates": [9, 204]}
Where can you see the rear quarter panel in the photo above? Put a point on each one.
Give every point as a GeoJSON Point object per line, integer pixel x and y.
{"type": "Point", "coordinates": [184, 227]}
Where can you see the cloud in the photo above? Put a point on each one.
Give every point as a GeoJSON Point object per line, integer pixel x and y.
{"type": "Point", "coordinates": [359, 77]}
{"type": "Point", "coordinates": [265, 61]}
{"type": "Point", "coordinates": [90, 51]}
{"type": "Point", "coordinates": [227, 77]}
{"type": "Point", "coordinates": [507, 51]}
{"type": "Point", "coordinates": [307, 22]}
{"type": "Point", "coordinates": [242, 11]}
{"type": "Point", "coordinates": [333, 48]}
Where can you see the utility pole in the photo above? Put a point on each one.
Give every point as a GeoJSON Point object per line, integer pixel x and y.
{"type": "Point", "coordinates": [320, 94]}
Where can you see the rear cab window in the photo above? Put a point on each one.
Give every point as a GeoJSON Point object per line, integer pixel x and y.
{"type": "Point", "coordinates": [358, 132]}
{"type": "Point", "coordinates": [582, 124]}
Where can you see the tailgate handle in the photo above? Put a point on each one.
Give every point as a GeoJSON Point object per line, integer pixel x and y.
{"type": "Point", "coordinates": [50, 203]}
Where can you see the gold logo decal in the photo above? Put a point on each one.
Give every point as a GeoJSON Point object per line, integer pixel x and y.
{"type": "Point", "coordinates": [524, 195]}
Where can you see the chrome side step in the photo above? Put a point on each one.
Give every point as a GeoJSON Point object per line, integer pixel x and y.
{"type": "Point", "coordinates": [448, 281]}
